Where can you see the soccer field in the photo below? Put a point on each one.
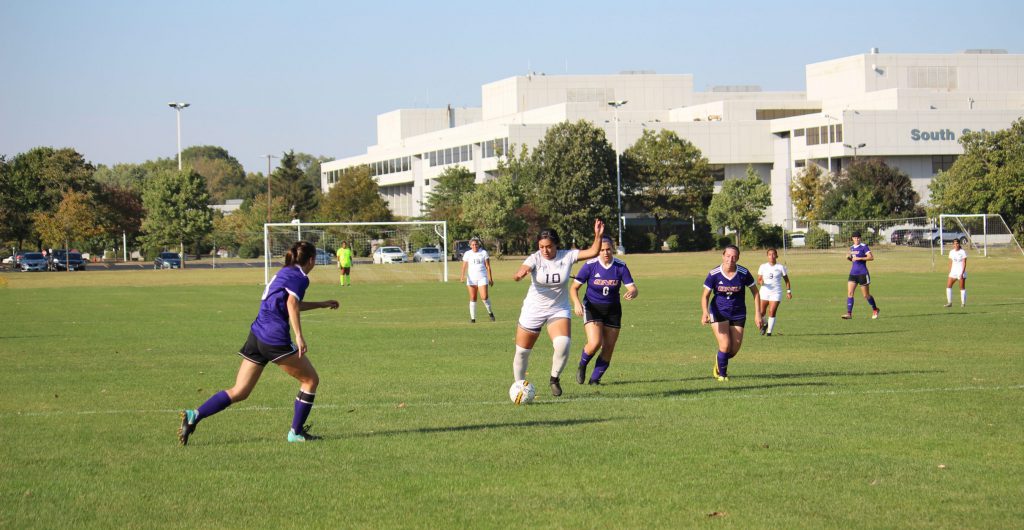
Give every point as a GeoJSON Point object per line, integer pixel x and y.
{"type": "Point", "coordinates": [912, 420]}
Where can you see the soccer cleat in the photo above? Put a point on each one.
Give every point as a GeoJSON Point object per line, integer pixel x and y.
{"type": "Point", "coordinates": [595, 382]}
{"type": "Point", "coordinates": [948, 305]}
{"type": "Point", "coordinates": [491, 315]}
{"type": "Point", "coordinates": [581, 374]}
{"type": "Point", "coordinates": [764, 327]}
{"type": "Point", "coordinates": [188, 425]}
{"type": "Point", "coordinates": [722, 378]}
{"type": "Point", "coordinates": [847, 316]}
{"type": "Point", "coordinates": [556, 387]}
{"type": "Point", "coordinates": [874, 313]}
{"type": "Point", "coordinates": [769, 334]}
{"type": "Point", "coordinates": [302, 436]}
{"type": "Point", "coordinates": [719, 376]}
{"type": "Point", "coordinates": [472, 321]}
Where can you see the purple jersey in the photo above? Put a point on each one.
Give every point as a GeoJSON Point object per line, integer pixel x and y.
{"type": "Point", "coordinates": [728, 301]}
{"type": "Point", "coordinates": [603, 282]}
{"type": "Point", "coordinates": [271, 324]}
{"type": "Point", "coordinates": [859, 251]}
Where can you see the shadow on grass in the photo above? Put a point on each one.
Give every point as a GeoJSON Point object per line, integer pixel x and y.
{"type": "Point", "coordinates": [947, 313]}
{"type": "Point", "coordinates": [779, 376]}
{"type": "Point", "coordinates": [480, 427]}
{"type": "Point", "coordinates": [726, 387]}
{"type": "Point", "coordinates": [836, 334]}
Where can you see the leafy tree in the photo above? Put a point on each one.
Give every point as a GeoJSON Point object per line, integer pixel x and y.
{"type": "Point", "coordinates": [125, 176]}
{"type": "Point", "coordinates": [120, 211]}
{"type": "Point", "coordinates": [493, 209]}
{"type": "Point", "coordinates": [987, 178]}
{"type": "Point", "coordinates": [871, 189]}
{"type": "Point", "coordinates": [73, 221]}
{"type": "Point", "coordinates": [310, 166]}
{"type": "Point", "coordinates": [667, 177]}
{"type": "Point", "coordinates": [575, 179]}
{"type": "Point", "coordinates": [523, 172]}
{"type": "Point", "coordinates": [444, 203]}
{"type": "Point", "coordinates": [354, 198]}
{"type": "Point", "coordinates": [288, 181]}
{"type": "Point", "coordinates": [177, 210]}
{"type": "Point", "coordinates": [808, 190]}
{"type": "Point", "coordinates": [242, 231]}
{"type": "Point", "coordinates": [741, 204]}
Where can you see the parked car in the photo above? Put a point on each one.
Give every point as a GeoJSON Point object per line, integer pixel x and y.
{"type": "Point", "coordinates": [947, 237]}
{"type": "Point", "coordinates": [62, 260]}
{"type": "Point", "coordinates": [797, 240]}
{"type": "Point", "coordinates": [33, 261]}
{"type": "Point", "coordinates": [908, 236]}
{"type": "Point", "coordinates": [167, 260]}
{"type": "Point", "coordinates": [388, 255]}
{"type": "Point", "coordinates": [323, 257]}
{"type": "Point", "coordinates": [459, 248]}
{"type": "Point", "coordinates": [427, 254]}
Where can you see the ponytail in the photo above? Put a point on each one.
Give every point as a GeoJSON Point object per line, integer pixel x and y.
{"type": "Point", "coordinates": [300, 253]}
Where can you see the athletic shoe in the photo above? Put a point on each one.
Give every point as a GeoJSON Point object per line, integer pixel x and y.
{"type": "Point", "coordinates": [188, 425]}
{"type": "Point", "coordinates": [769, 333]}
{"type": "Point", "coordinates": [963, 306]}
{"type": "Point", "coordinates": [302, 436]}
{"type": "Point", "coordinates": [847, 316]}
{"type": "Point", "coordinates": [595, 382]}
{"type": "Point", "coordinates": [874, 314]}
{"type": "Point", "coordinates": [948, 305]}
{"type": "Point", "coordinates": [491, 315]}
{"type": "Point", "coordinates": [764, 327]}
{"type": "Point", "coordinates": [717, 375]}
{"type": "Point", "coordinates": [472, 321]}
{"type": "Point", "coordinates": [581, 374]}
{"type": "Point", "coordinates": [556, 387]}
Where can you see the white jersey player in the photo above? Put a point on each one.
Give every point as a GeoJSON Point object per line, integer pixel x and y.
{"type": "Point", "coordinates": [771, 276]}
{"type": "Point", "coordinates": [957, 271]}
{"type": "Point", "coordinates": [476, 272]}
{"type": "Point", "coordinates": [547, 301]}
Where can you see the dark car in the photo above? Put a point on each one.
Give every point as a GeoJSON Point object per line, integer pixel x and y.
{"type": "Point", "coordinates": [908, 236]}
{"type": "Point", "coordinates": [33, 261]}
{"type": "Point", "coordinates": [167, 260]}
{"type": "Point", "coordinates": [62, 260]}
{"type": "Point", "coordinates": [323, 257]}
{"type": "Point", "coordinates": [459, 248]}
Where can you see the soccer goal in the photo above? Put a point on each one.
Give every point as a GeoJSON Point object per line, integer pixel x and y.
{"type": "Point", "coordinates": [987, 234]}
{"type": "Point", "coordinates": [381, 251]}
{"type": "Point", "coordinates": [902, 234]}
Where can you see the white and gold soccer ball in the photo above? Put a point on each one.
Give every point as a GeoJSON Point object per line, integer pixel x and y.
{"type": "Point", "coordinates": [522, 392]}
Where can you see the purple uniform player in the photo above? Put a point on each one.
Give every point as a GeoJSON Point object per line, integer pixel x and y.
{"type": "Point", "coordinates": [724, 307]}
{"type": "Point", "coordinates": [860, 255]}
{"type": "Point", "coordinates": [601, 309]}
{"type": "Point", "coordinates": [270, 341]}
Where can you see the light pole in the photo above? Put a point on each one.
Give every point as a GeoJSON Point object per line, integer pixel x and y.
{"type": "Point", "coordinates": [177, 107]}
{"type": "Point", "coordinates": [855, 148]}
{"type": "Point", "coordinates": [828, 138]}
{"type": "Point", "coordinates": [269, 157]}
{"type": "Point", "coordinates": [618, 171]}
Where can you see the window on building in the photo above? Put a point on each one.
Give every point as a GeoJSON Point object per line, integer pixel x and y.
{"type": "Point", "coordinates": [800, 163]}
{"type": "Point", "coordinates": [838, 132]}
{"type": "Point", "coordinates": [798, 132]}
{"type": "Point", "coordinates": [813, 137]}
{"type": "Point", "coordinates": [718, 171]}
{"type": "Point", "coordinates": [942, 163]}
{"type": "Point", "coordinates": [774, 114]}
{"type": "Point", "coordinates": [448, 156]}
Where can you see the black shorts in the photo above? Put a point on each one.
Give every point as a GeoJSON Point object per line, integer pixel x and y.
{"type": "Point", "coordinates": [861, 279]}
{"type": "Point", "coordinates": [262, 353]}
{"type": "Point", "coordinates": [738, 322]}
{"type": "Point", "coordinates": [346, 270]}
{"type": "Point", "coordinates": [610, 315]}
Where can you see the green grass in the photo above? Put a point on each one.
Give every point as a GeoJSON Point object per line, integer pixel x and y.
{"type": "Point", "coordinates": [913, 420]}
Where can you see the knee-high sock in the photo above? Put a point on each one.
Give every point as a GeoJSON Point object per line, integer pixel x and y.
{"type": "Point", "coordinates": [561, 355]}
{"type": "Point", "coordinates": [600, 366]}
{"type": "Point", "coordinates": [963, 296]}
{"type": "Point", "coordinates": [348, 279]}
{"type": "Point", "coordinates": [519, 362]}
{"type": "Point", "coordinates": [303, 404]}
{"type": "Point", "coordinates": [723, 363]}
{"type": "Point", "coordinates": [771, 324]}
{"type": "Point", "coordinates": [487, 304]}
{"type": "Point", "coordinates": [849, 304]}
{"type": "Point", "coordinates": [472, 310]}
{"type": "Point", "coordinates": [585, 358]}
{"type": "Point", "coordinates": [949, 295]}
{"type": "Point", "coordinates": [871, 300]}
{"type": "Point", "coordinates": [217, 402]}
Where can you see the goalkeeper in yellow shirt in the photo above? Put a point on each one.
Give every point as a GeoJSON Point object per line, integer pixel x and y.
{"type": "Point", "coordinates": [345, 263]}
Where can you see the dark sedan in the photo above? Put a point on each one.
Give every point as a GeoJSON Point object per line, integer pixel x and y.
{"type": "Point", "coordinates": [62, 260]}
{"type": "Point", "coordinates": [167, 260]}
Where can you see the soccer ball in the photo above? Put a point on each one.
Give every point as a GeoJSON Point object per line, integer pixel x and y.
{"type": "Point", "coordinates": [522, 392]}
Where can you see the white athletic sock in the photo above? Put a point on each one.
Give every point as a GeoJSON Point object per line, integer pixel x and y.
{"type": "Point", "coordinates": [487, 304]}
{"type": "Point", "coordinates": [519, 362]}
{"type": "Point", "coordinates": [561, 356]}
{"type": "Point", "coordinates": [963, 296]}
{"type": "Point", "coordinates": [771, 324]}
{"type": "Point", "coordinates": [949, 295]}
{"type": "Point", "coordinates": [472, 310]}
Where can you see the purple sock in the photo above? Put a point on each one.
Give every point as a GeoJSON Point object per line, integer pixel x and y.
{"type": "Point", "coordinates": [600, 365]}
{"type": "Point", "coordinates": [217, 402]}
{"type": "Point", "coordinates": [849, 305]}
{"type": "Point", "coordinates": [585, 358]}
{"type": "Point", "coordinates": [303, 404]}
{"type": "Point", "coordinates": [723, 363]}
{"type": "Point", "coordinates": [871, 300]}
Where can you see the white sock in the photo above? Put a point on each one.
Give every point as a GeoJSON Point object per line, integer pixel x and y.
{"type": "Point", "coordinates": [519, 362]}
{"type": "Point", "coordinates": [472, 310]}
{"type": "Point", "coordinates": [771, 324]}
{"type": "Point", "coordinates": [487, 304]}
{"type": "Point", "coordinates": [963, 296]}
{"type": "Point", "coordinates": [561, 356]}
{"type": "Point", "coordinates": [949, 295]}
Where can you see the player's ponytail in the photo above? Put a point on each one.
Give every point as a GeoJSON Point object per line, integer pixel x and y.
{"type": "Point", "coordinates": [300, 253]}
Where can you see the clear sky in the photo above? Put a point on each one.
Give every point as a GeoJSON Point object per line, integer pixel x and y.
{"type": "Point", "coordinates": [265, 77]}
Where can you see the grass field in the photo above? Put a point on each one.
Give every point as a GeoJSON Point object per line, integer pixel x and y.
{"type": "Point", "coordinates": [914, 420]}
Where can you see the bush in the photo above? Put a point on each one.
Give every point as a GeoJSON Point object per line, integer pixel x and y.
{"type": "Point", "coordinates": [766, 236]}
{"type": "Point", "coordinates": [818, 238]}
{"type": "Point", "coordinates": [723, 241]}
{"type": "Point", "coordinates": [673, 243]}
{"type": "Point", "coordinates": [250, 249]}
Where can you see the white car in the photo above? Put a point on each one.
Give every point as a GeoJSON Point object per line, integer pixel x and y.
{"type": "Point", "coordinates": [388, 255]}
{"type": "Point", "coordinates": [798, 240]}
{"type": "Point", "coordinates": [427, 254]}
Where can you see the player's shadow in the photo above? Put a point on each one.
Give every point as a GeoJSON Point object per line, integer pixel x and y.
{"type": "Point", "coordinates": [480, 427]}
{"type": "Point", "coordinates": [947, 313]}
{"type": "Point", "coordinates": [843, 374]}
{"type": "Point", "coordinates": [733, 388]}
{"type": "Point", "coordinates": [834, 334]}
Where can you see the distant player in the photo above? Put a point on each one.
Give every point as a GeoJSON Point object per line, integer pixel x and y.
{"type": "Point", "coordinates": [476, 272]}
{"type": "Point", "coordinates": [770, 277]}
{"type": "Point", "coordinates": [345, 264]}
{"type": "Point", "coordinates": [860, 255]}
{"type": "Point", "coordinates": [723, 305]}
{"type": "Point", "coordinates": [957, 271]}
{"type": "Point", "coordinates": [269, 341]}
{"type": "Point", "coordinates": [601, 309]}
{"type": "Point", "coordinates": [547, 301]}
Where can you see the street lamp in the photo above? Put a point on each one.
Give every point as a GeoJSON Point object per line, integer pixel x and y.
{"type": "Point", "coordinates": [828, 138]}
{"type": "Point", "coordinates": [269, 157]}
{"type": "Point", "coordinates": [177, 107]}
{"type": "Point", "coordinates": [855, 148]}
{"type": "Point", "coordinates": [618, 171]}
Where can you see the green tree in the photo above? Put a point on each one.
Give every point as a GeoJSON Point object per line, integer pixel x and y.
{"type": "Point", "coordinates": [493, 210]}
{"type": "Point", "coordinates": [177, 210]}
{"type": "Point", "coordinates": [354, 198]}
{"type": "Point", "coordinates": [667, 177]}
{"type": "Point", "coordinates": [871, 189]}
{"type": "Point", "coordinates": [987, 178]}
{"type": "Point", "coordinates": [808, 190]}
{"type": "Point", "coordinates": [120, 211]}
{"type": "Point", "coordinates": [73, 221]}
{"type": "Point", "coordinates": [741, 204]}
{"type": "Point", "coordinates": [290, 182]}
{"type": "Point", "coordinates": [575, 180]}
{"type": "Point", "coordinates": [242, 230]}
{"type": "Point", "coordinates": [444, 202]}
{"type": "Point", "coordinates": [310, 166]}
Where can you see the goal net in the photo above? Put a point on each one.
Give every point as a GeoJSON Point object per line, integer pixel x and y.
{"type": "Point", "coordinates": [905, 234]}
{"type": "Point", "coordinates": [984, 234]}
{"type": "Point", "coordinates": [381, 251]}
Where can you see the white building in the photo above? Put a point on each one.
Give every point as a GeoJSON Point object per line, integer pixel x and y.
{"type": "Point", "coordinates": [908, 109]}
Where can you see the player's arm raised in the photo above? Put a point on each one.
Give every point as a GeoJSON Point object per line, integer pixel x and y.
{"type": "Point", "coordinates": [595, 247]}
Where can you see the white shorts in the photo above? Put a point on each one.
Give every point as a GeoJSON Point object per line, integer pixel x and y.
{"type": "Point", "coordinates": [957, 275]}
{"type": "Point", "coordinates": [770, 295]}
{"type": "Point", "coordinates": [534, 321]}
{"type": "Point", "coordinates": [477, 282]}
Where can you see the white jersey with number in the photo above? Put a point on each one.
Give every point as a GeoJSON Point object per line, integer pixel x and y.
{"type": "Point", "coordinates": [772, 276]}
{"type": "Point", "coordinates": [476, 264]}
{"type": "Point", "coordinates": [959, 259]}
{"type": "Point", "coordinates": [550, 278]}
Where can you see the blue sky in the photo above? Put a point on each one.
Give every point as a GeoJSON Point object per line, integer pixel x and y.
{"type": "Point", "coordinates": [266, 77]}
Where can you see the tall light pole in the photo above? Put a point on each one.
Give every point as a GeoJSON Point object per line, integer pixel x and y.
{"type": "Point", "coordinates": [828, 138]}
{"type": "Point", "coordinates": [618, 171]}
{"type": "Point", "coordinates": [855, 148]}
{"type": "Point", "coordinates": [177, 107]}
{"type": "Point", "coordinates": [269, 157]}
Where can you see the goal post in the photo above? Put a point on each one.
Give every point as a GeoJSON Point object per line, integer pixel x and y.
{"type": "Point", "coordinates": [988, 234]}
{"type": "Point", "coordinates": [365, 239]}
